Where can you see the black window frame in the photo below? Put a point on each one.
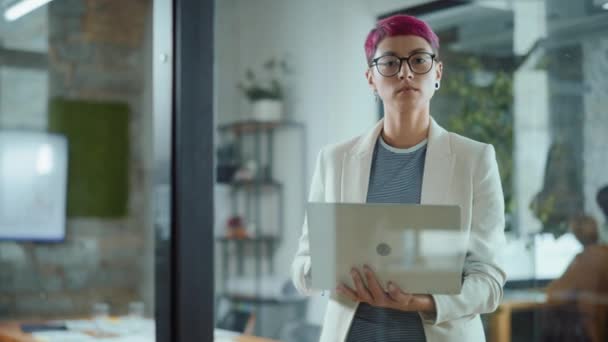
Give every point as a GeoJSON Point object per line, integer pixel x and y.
{"type": "Point", "coordinates": [184, 288]}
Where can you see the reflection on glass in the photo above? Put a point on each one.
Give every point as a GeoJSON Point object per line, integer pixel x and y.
{"type": "Point", "coordinates": [75, 168]}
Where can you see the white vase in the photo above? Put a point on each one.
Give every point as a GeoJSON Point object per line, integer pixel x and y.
{"type": "Point", "coordinates": [267, 110]}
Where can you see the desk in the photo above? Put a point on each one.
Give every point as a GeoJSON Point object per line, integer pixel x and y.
{"type": "Point", "coordinates": [11, 332]}
{"type": "Point", "coordinates": [514, 300]}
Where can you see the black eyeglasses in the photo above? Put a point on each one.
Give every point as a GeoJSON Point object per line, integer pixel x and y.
{"type": "Point", "coordinates": [419, 63]}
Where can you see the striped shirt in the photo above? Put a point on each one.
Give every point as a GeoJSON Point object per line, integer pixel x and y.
{"type": "Point", "coordinates": [396, 177]}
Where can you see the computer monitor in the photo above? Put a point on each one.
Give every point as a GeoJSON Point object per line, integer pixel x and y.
{"type": "Point", "coordinates": [33, 182]}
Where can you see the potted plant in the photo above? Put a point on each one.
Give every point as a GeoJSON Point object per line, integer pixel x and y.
{"type": "Point", "coordinates": [266, 94]}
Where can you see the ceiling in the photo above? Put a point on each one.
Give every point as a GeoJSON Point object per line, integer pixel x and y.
{"type": "Point", "coordinates": [28, 33]}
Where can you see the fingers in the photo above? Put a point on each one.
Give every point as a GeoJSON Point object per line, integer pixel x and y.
{"type": "Point", "coordinates": [373, 285]}
{"type": "Point", "coordinates": [348, 292]}
{"type": "Point", "coordinates": [404, 300]}
{"type": "Point", "coordinates": [363, 292]}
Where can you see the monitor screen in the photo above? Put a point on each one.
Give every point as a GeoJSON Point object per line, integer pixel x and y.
{"type": "Point", "coordinates": [33, 184]}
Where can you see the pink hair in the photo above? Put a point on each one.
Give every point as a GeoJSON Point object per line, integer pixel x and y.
{"type": "Point", "coordinates": [399, 25]}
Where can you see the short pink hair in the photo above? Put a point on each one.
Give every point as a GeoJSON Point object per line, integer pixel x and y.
{"type": "Point", "coordinates": [399, 25]}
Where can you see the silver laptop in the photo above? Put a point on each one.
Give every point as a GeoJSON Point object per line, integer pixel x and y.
{"type": "Point", "coordinates": [419, 247]}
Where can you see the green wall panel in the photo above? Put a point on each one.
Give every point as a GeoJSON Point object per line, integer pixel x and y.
{"type": "Point", "coordinates": [98, 152]}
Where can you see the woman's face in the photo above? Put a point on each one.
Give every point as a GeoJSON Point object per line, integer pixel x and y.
{"type": "Point", "coordinates": [406, 88]}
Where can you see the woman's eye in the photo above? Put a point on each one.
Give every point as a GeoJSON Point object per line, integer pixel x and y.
{"type": "Point", "coordinates": [390, 63]}
{"type": "Point", "coordinates": [420, 60]}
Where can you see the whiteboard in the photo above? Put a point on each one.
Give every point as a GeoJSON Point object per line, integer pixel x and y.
{"type": "Point", "coordinates": [33, 184]}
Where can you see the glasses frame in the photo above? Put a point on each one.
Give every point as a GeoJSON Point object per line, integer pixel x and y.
{"type": "Point", "coordinates": [407, 60]}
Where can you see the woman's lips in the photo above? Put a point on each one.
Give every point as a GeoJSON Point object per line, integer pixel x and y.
{"type": "Point", "coordinates": [406, 89]}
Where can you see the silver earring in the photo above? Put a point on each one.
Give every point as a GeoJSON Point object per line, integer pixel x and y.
{"type": "Point", "coordinates": [437, 85]}
{"type": "Point", "coordinates": [376, 96]}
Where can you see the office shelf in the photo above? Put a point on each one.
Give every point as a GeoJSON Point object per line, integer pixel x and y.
{"type": "Point", "coordinates": [254, 256]}
{"type": "Point", "coordinates": [252, 126]}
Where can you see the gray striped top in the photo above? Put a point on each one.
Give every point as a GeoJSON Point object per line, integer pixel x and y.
{"type": "Point", "coordinates": [396, 177]}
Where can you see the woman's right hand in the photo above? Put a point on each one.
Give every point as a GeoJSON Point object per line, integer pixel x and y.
{"type": "Point", "coordinates": [375, 295]}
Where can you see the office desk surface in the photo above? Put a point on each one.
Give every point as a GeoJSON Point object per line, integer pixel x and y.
{"type": "Point", "coordinates": [11, 332]}
{"type": "Point", "coordinates": [513, 300]}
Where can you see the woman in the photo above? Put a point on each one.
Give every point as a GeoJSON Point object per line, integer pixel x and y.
{"type": "Point", "coordinates": [408, 158]}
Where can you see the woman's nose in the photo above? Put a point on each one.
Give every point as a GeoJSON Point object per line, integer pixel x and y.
{"type": "Point", "coordinates": [405, 71]}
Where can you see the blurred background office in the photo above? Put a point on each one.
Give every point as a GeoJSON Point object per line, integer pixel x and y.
{"type": "Point", "coordinates": [522, 75]}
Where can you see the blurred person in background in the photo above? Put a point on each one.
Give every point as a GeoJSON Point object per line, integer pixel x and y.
{"type": "Point", "coordinates": [578, 300]}
{"type": "Point", "coordinates": [602, 202]}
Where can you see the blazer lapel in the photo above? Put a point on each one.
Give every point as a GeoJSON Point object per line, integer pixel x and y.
{"type": "Point", "coordinates": [357, 167]}
{"type": "Point", "coordinates": [438, 167]}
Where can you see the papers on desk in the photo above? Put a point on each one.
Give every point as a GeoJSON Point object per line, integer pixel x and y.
{"type": "Point", "coordinates": [147, 334]}
{"type": "Point", "coordinates": [63, 336]}
{"type": "Point", "coordinates": [220, 335]}
{"type": "Point", "coordinates": [524, 295]}
{"type": "Point", "coordinates": [115, 330]}
{"type": "Point", "coordinates": [75, 336]}
{"type": "Point", "coordinates": [267, 287]}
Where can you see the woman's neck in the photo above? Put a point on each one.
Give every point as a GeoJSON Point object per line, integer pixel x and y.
{"type": "Point", "coordinates": [405, 129]}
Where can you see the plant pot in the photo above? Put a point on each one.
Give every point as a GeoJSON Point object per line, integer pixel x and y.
{"type": "Point", "coordinates": [267, 110]}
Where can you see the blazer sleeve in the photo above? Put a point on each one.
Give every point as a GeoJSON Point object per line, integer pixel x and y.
{"type": "Point", "coordinates": [483, 278]}
{"type": "Point", "coordinates": [300, 267]}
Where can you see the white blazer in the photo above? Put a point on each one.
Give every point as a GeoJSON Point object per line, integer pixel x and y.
{"type": "Point", "coordinates": [457, 171]}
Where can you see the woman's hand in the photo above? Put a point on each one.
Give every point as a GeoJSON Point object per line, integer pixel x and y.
{"type": "Point", "coordinates": [374, 295]}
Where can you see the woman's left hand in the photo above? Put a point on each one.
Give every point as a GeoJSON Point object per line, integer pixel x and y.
{"type": "Point", "coordinates": [375, 295]}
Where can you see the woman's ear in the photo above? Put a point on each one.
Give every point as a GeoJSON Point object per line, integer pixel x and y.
{"type": "Point", "coordinates": [438, 71]}
{"type": "Point", "coordinates": [370, 79]}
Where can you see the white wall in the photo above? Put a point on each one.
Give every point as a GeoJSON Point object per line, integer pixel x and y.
{"type": "Point", "coordinates": [531, 114]}
{"type": "Point", "coordinates": [381, 7]}
{"type": "Point", "coordinates": [595, 66]}
{"type": "Point", "coordinates": [328, 91]}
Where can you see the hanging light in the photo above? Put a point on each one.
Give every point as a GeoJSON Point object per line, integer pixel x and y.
{"type": "Point", "coordinates": [22, 7]}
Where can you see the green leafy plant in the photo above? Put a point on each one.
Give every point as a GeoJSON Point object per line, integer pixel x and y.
{"type": "Point", "coordinates": [486, 114]}
{"type": "Point", "coordinates": [560, 198]}
{"type": "Point", "coordinates": [268, 87]}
